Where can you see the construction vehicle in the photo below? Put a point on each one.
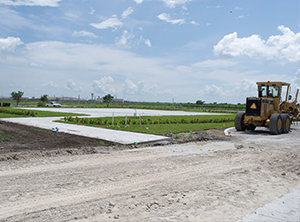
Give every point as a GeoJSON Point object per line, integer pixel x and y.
{"type": "Point", "coordinates": [267, 110]}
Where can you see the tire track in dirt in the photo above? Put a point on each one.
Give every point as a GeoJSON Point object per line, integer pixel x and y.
{"type": "Point", "coordinates": [101, 191]}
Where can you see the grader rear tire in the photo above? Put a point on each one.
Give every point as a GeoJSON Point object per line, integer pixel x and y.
{"type": "Point", "coordinates": [276, 125]}
{"type": "Point", "coordinates": [239, 121]}
{"type": "Point", "coordinates": [286, 123]}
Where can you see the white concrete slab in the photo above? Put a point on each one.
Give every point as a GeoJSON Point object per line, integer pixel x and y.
{"type": "Point", "coordinates": [117, 136]}
{"type": "Point", "coordinates": [94, 112]}
{"type": "Point", "coordinates": [285, 208]}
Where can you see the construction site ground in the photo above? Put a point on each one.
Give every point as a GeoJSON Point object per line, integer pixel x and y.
{"type": "Point", "coordinates": [49, 176]}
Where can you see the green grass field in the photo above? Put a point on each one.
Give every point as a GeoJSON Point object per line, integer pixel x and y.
{"type": "Point", "coordinates": [159, 125]}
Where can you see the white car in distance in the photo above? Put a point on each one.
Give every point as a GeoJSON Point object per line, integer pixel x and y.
{"type": "Point", "coordinates": [53, 104]}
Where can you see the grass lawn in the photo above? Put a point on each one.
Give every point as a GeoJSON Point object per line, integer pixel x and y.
{"type": "Point", "coordinates": [159, 125]}
{"type": "Point", "coordinates": [9, 113]}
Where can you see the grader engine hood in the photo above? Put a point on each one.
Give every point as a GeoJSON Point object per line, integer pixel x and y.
{"type": "Point", "coordinates": [253, 106]}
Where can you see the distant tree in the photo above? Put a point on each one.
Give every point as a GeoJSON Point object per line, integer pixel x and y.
{"type": "Point", "coordinates": [200, 102]}
{"type": "Point", "coordinates": [17, 96]}
{"type": "Point", "coordinates": [43, 100]}
{"type": "Point", "coordinates": [107, 99]}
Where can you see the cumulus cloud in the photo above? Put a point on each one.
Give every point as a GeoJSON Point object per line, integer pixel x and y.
{"type": "Point", "coordinates": [173, 3]}
{"type": "Point", "coordinates": [285, 46]}
{"type": "Point", "coordinates": [71, 85]}
{"type": "Point", "coordinates": [9, 44]}
{"type": "Point", "coordinates": [195, 23]}
{"type": "Point", "coordinates": [104, 85]}
{"type": "Point", "coordinates": [112, 22]}
{"type": "Point", "coordinates": [129, 87]}
{"type": "Point", "coordinates": [138, 1]}
{"type": "Point", "coordinates": [84, 33]}
{"type": "Point", "coordinates": [127, 12]}
{"type": "Point", "coordinates": [142, 89]}
{"type": "Point", "coordinates": [166, 17]}
{"type": "Point", "coordinates": [128, 40]}
{"type": "Point", "coordinates": [51, 3]}
{"type": "Point", "coordinates": [123, 40]}
{"type": "Point", "coordinates": [50, 85]}
{"type": "Point", "coordinates": [213, 91]}
{"type": "Point", "coordinates": [147, 42]}
{"type": "Point", "coordinates": [246, 88]}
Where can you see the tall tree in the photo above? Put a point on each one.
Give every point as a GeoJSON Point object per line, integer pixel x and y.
{"type": "Point", "coordinates": [17, 96]}
{"type": "Point", "coordinates": [107, 99]}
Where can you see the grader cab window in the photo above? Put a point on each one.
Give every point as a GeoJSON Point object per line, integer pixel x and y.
{"type": "Point", "coordinates": [273, 91]}
{"type": "Point", "coordinates": [262, 91]}
{"type": "Point", "coordinates": [268, 91]}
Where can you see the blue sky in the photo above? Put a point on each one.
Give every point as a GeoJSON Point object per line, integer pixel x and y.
{"type": "Point", "coordinates": [148, 50]}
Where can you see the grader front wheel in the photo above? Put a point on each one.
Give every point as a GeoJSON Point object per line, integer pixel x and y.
{"type": "Point", "coordinates": [276, 125]}
{"type": "Point", "coordinates": [239, 121]}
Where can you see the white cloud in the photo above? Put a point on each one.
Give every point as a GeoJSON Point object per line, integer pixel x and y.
{"type": "Point", "coordinates": [215, 6]}
{"type": "Point", "coordinates": [285, 46]}
{"type": "Point", "coordinates": [112, 22]}
{"type": "Point", "coordinates": [9, 44]}
{"type": "Point", "coordinates": [71, 85]}
{"type": "Point", "coordinates": [138, 1]}
{"type": "Point", "coordinates": [123, 40]}
{"type": "Point", "coordinates": [173, 3]}
{"type": "Point", "coordinates": [127, 12]}
{"type": "Point", "coordinates": [166, 17]}
{"type": "Point", "coordinates": [92, 11]}
{"type": "Point", "coordinates": [51, 3]}
{"type": "Point", "coordinates": [104, 85]}
{"type": "Point", "coordinates": [50, 85]}
{"type": "Point", "coordinates": [245, 88]}
{"type": "Point", "coordinates": [127, 40]}
{"type": "Point", "coordinates": [141, 89]}
{"type": "Point", "coordinates": [213, 91]}
{"type": "Point", "coordinates": [129, 87]}
{"type": "Point", "coordinates": [195, 23]}
{"type": "Point", "coordinates": [147, 42]}
{"type": "Point", "coordinates": [84, 33]}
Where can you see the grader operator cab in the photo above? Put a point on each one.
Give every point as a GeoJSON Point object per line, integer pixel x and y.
{"type": "Point", "coordinates": [268, 110]}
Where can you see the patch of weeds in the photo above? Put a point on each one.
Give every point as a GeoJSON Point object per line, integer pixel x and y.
{"type": "Point", "coordinates": [190, 137]}
{"type": "Point", "coordinates": [42, 131]}
{"type": "Point", "coordinates": [103, 143]}
{"type": "Point", "coordinates": [5, 139]}
{"type": "Point", "coordinates": [176, 137]}
{"type": "Point", "coordinates": [18, 139]}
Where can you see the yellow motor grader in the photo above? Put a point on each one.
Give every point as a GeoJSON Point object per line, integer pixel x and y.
{"type": "Point", "coordinates": [267, 110]}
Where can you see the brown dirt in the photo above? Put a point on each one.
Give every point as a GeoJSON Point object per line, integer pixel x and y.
{"type": "Point", "coordinates": [163, 183]}
{"type": "Point", "coordinates": [21, 141]}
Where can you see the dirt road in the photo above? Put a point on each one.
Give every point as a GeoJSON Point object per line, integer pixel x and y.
{"type": "Point", "coordinates": [159, 183]}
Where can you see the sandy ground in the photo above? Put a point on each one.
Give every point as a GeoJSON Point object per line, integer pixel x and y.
{"type": "Point", "coordinates": [177, 182]}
